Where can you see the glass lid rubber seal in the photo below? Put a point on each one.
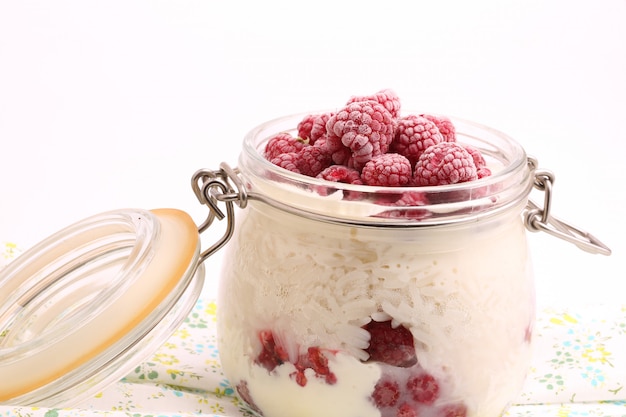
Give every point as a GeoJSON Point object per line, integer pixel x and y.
{"type": "Point", "coordinates": [82, 308]}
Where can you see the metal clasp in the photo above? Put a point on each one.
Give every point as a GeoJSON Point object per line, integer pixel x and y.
{"type": "Point", "coordinates": [215, 187]}
{"type": "Point", "coordinates": [538, 218]}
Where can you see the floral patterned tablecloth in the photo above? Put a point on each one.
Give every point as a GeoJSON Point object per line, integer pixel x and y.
{"type": "Point", "coordinates": [579, 369]}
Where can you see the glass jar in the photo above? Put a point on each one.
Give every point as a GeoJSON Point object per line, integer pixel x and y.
{"type": "Point", "coordinates": [357, 301]}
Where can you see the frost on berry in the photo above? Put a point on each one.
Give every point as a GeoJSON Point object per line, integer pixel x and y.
{"type": "Point", "coordinates": [318, 129]}
{"type": "Point", "coordinates": [312, 160]}
{"type": "Point", "coordinates": [340, 173]}
{"type": "Point", "coordinates": [445, 126]}
{"type": "Point", "coordinates": [414, 134]}
{"type": "Point", "coordinates": [387, 97]}
{"type": "Point", "coordinates": [313, 126]}
{"type": "Point", "coordinates": [477, 156]}
{"type": "Point", "coordinates": [365, 127]}
{"type": "Point", "coordinates": [282, 143]}
{"type": "Point", "coordinates": [444, 163]}
{"type": "Point", "coordinates": [479, 160]}
{"type": "Point", "coordinates": [387, 170]}
{"type": "Point", "coordinates": [288, 161]}
{"type": "Point", "coordinates": [305, 126]}
{"type": "Point", "coordinates": [483, 172]}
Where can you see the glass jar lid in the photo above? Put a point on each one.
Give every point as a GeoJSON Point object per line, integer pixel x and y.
{"type": "Point", "coordinates": [80, 309]}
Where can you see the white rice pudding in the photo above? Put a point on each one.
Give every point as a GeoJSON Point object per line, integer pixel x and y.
{"type": "Point", "coordinates": [296, 293]}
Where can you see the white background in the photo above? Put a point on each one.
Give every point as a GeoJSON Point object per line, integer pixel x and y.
{"type": "Point", "coordinates": [111, 104]}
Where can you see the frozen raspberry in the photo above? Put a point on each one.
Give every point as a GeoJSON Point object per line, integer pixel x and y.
{"type": "Point", "coordinates": [318, 129]}
{"type": "Point", "coordinates": [445, 126]}
{"type": "Point", "coordinates": [424, 388]}
{"type": "Point", "coordinates": [365, 127]}
{"type": "Point", "coordinates": [483, 172]}
{"type": "Point", "coordinates": [313, 126]}
{"type": "Point", "coordinates": [453, 410]}
{"type": "Point", "coordinates": [405, 410]}
{"type": "Point", "coordinates": [477, 157]}
{"type": "Point", "coordinates": [316, 360]}
{"type": "Point", "coordinates": [390, 345]}
{"type": "Point", "coordinates": [288, 161]}
{"type": "Point", "coordinates": [272, 355]}
{"type": "Point", "coordinates": [387, 98]}
{"type": "Point", "coordinates": [414, 135]}
{"type": "Point", "coordinates": [282, 143]}
{"type": "Point", "coordinates": [479, 160]}
{"type": "Point", "coordinates": [305, 126]}
{"type": "Point", "coordinates": [444, 163]}
{"type": "Point", "coordinates": [321, 142]}
{"type": "Point", "coordinates": [407, 207]}
{"type": "Point", "coordinates": [312, 160]}
{"type": "Point", "coordinates": [340, 154]}
{"type": "Point", "coordinates": [387, 170]}
{"type": "Point", "coordinates": [340, 173]}
{"type": "Point", "coordinates": [386, 393]}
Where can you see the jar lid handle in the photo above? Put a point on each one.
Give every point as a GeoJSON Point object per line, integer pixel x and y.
{"type": "Point", "coordinates": [538, 218]}
{"type": "Point", "coordinates": [214, 187]}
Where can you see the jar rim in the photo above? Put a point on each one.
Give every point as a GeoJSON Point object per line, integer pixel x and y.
{"type": "Point", "coordinates": [509, 183]}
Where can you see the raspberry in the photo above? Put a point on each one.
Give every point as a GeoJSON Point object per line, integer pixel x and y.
{"type": "Point", "coordinates": [288, 161]}
{"type": "Point", "coordinates": [321, 142]}
{"type": "Point", "coordinates": [405, 410]}
{"type": "Point", "coordinates": [477, 157]}
{"type": "Point", "coordinates": [386, 393]}
{"type": "Point", "coordinates": [272, 355]}
{"type": "Point", "coordinates": [406, 207]}
{"type": "Point", "coordinates": [305, 126]}
{"type": "Point", "coordinates": [423, 388]}
{"type": "Point", "coordinates": [444, 163]}
{"type": "Point", "coordinates": [366, 127]}
{"type": "Point", "coordinates": [340, 173]}
{"type": "Point", "coordinates": [445, 126]}
{"type": "Point", "coordinates": [479, 160]}
{"type": "Point", "coordinates": [393, 346]}
{"type": "Point", "coordinates": [319, 126]}
{"type": "Point", "coordinates": [312, 160]}
{"type": "Point", "coordinates": [282, 143]}
{"type": "Point", "coordinates": [313, 126]}
{"type": "Point", "coordinates": [414, 135]}
{"type": "Point", "coordinates": [316, 360]}
{"type": "Point", "coordinates": [387, 170]}
{"type": "Point", "coordinates": [453, 410]}
{"type": "Point", "coordinates": [388, 98]}
{"type": "Point", "coordinates": [483, 172]}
